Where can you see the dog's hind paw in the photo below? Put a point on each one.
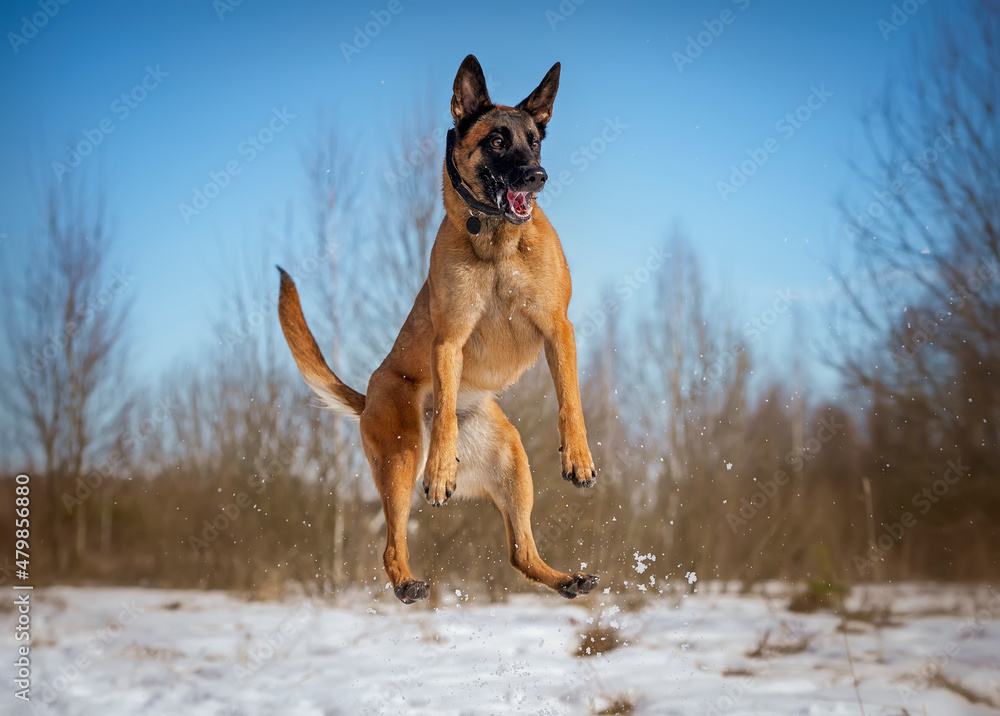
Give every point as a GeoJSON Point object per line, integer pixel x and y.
{"type": "Point", "coordinates": [578, 584]}
{"type": "Point", "coordinates": [411, 590]}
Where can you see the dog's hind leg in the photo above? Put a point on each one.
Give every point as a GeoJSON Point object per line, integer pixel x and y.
{"type": "Point", "coordinates": [395, 477]}
{"type": "Point", "coordinates": [506, 478]}
{"type": "Point", "coordinates": [393, 443]}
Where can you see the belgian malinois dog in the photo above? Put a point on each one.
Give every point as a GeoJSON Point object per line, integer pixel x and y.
{"type": "Point", "coordinates": [496, 294]}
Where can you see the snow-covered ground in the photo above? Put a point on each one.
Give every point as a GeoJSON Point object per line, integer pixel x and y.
{"type": "Point", "coordinates": [147, 651]}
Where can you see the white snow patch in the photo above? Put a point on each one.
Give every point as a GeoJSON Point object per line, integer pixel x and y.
{"type": "Point", "coordinates": [195, 653]}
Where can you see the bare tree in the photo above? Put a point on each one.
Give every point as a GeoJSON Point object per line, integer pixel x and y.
{"type": "Point", "coordinates": [65, 321]}
{"type": "Point", "coordinates": [699, 369]}
{"type": "Point", "coordinates": [409, 211]}
{"type": "Point", "coordinates": [332, 200]}
{"type": "Point", "coordinates": [924, 290]}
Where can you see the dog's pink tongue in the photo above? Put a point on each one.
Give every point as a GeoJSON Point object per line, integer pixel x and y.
{"type": "Point", "coordinates": [518, 201]}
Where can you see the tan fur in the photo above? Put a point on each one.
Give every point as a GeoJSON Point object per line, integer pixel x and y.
{"type": "Point", "coordinates": [332, 393]}
{"type": "Point", "coordinates": [491, 303]}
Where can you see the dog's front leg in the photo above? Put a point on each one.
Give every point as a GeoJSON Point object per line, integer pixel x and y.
{"type": "Point", "coordinates": [442, 457]}
{"type": "Point", "coordinates": [560, 352]}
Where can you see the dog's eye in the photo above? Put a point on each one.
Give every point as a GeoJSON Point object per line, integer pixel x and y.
{"type": "Point", "coordinates": [497, 142]}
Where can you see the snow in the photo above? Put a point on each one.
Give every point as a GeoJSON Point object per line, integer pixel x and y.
{"type": "Point", "coordinates": [129, 651]}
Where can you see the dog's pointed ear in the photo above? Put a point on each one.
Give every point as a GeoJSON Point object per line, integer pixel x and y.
{"type": "Point", "coordinates": [470, 95]}
{"type": "Point", "coordinates": [539, 103]}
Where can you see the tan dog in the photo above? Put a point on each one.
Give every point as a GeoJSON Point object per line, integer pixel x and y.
{"type": "Point", "coordinates": [496, 294]}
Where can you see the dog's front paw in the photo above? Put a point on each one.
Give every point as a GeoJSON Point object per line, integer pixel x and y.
{"type": "Point", "coordinates": [411, 590]}
{"type": "Point", "coordinates": [439, 476]}
{"type": "Point", "coordinates": [578, 584]}
{"type": "Point", "coordinates": [578, 465]}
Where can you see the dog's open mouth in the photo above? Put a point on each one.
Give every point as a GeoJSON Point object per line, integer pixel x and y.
{"type": "Point", "coordinates": [516, 206]}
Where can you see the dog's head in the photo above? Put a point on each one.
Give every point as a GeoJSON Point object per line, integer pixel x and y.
{"type": "Point", "coordinates": [497, 149]}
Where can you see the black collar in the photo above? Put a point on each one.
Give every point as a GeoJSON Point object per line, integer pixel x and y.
{"type": "Point", "coordinates": [463, 189]}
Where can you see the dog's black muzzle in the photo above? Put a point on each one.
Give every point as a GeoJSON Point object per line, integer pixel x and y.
{"type": "Point", "coordinates": [531, 180]}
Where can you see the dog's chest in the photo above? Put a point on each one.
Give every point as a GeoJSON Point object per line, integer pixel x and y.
{"type": "Point", "coordinates": [506, 340]}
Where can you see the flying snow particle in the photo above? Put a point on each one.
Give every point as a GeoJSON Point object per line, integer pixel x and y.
{"type": "Point", "coordinates": [610, 612]}
{"type": "Point", "coordinates": [640, 561]}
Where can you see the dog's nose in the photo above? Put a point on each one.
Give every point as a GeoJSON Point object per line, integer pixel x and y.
{"type": "Point", "coordinates": [534, 179]}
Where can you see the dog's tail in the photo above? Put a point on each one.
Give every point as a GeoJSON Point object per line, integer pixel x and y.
{"type": "Point", "coordinates": [332, 393]}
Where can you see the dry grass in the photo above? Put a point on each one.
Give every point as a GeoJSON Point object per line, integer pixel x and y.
{"type": "Point", "coordinates": [878, 618]}
{"type": "Point", "coordinates": [957, 687]}
{"type": "Point", "coordinates": [599, 640]}
{"type": "Point", "coordinates": [621, 704]}
{"type": "Point", "coordinates": [815, 596]}
{"type": "Point", "coordinates": [785, 643]}
{"type": "Point", "coordinates": [151, 653]}
{"type": "Point", "coordinates": [807, 601]}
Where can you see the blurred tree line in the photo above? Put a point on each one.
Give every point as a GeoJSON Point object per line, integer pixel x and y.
{"type": "Point", "coordinates": [226, 476]}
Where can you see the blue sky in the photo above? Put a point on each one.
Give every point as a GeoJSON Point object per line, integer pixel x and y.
{"type": "Point", "coordinates": [216, 73]}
